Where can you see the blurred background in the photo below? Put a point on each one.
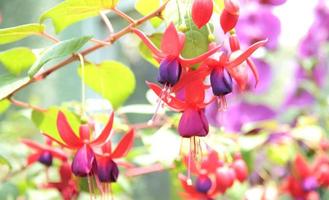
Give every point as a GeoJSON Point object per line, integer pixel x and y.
{"type": "Point", "coordinates": [286, 92]}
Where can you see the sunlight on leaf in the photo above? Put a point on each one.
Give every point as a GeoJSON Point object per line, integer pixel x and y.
{"type": "Point", "coordinates": [64, 48]}
{"type": "Point", "coordinates": [72, 11]}
{"type": "Point", "coordinates": [146, 7]}
{"type": "Point", "coordinates": [14, 34]}
{"type": "Point", "coordinates": [17, 60]}
{"type": "Point", "coordinates": [46, 121]}
{"type": "Point", "coordinates": [9, 83]}
{"type": "Point", "coordinates": [4, 105]}
{"type": "Point", "coordinates": [112, 80]}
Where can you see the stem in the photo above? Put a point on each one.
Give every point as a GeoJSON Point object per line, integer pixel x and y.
{"type": "Point", "coordinates": [26, 105]}
{"type": "Point", "coordinates": [146, 170]}
{"type": "Point", "coordinates": [111, 39]}
{"type": "Point", "coordinates": [124, 15]}
{"type": "Point", "coordinates": [107, 21]}
{"type": "Point", "coordinates": [50, 37]}
{"type": "Point", "coordinates": [83, 86]}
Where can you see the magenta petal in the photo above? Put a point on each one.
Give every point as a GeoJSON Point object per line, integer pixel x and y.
{"type": "Point", "coordinates": [193, 123]}
{"type": "Point", "coordinates": [83, 161]}
{"type": "Point", "coordinates": [107, 170]}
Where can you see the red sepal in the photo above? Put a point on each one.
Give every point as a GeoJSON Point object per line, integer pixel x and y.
{"type": "Point", "coordinates": [170, 43]}
{"type": "Point", "coordinates": [124, 145]}
{"type": "Point", "coordinates": [148, 43]}
{"type": "Point", "coordinates": [66, 132]}
{"type": "Point", "coordinates": [105, 133]}
{"type": "Point", "coordinates": [199, 59]}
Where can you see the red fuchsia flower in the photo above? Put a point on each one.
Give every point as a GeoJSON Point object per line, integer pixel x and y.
{"type": "Point", "coordinates": [240, 168]}
{"type": "Point", "coordinates": [107, 169]}
{"type": "Point", "coordinates": [201, 12]}
{"type": "Point", "coordinates": [84, 162]}
{"type": "Point", "coordinates": [171, 62]}
{"type": "Point", "coordinates": [193, 121]}
{"type": "Point", "coordinates": [302, 182]}
{"type": "Point", "coordinates": [66, 186]}
{"type": "Point", "coordinates": [43, 153]}
{"type": "Point", "coordinates": [224, 67]}
{"type": "Point", "coordinates": [230, 15]}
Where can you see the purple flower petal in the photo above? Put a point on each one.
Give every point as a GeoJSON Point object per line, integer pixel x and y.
{"type": "Point", "coordinates": [83, 161]}
{"type": "Point", "coordinates": [193, 123]}
{"type": "Point", "coordinates": [107, 170]}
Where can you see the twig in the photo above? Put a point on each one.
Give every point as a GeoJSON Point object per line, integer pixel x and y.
{"type": "Point", "coordinates": [26, 105]}
{"type": "Point", "coordinates": [110, 39]}
{"type": "Point", "coordinates": [12, 174]}
{"type": "Point", "coordinates": [146, 170]}
{"type": "Point", "coordinates": [124, 15]}
{"type": "Point", "coordinates": [107, 22]}
{"type": "Point", "coordinates": [50, 37]}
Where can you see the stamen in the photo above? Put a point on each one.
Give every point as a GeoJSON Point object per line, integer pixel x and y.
{"type": "Point", "coordinates": [222, 104]}
{"type": "Point", "coordinates": [159, 103]}
{"type": "Point", "coordinates": [189, 180]}
{"type": "Point", "coordinates": [90, 188]}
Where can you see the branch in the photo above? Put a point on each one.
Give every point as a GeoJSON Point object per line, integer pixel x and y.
{"type": "Point", "coordinates": [111, 39]}
{"type": "Point", "coordinates": [146, 170]}
{"type": "Point", "coordinates": [26, 105]}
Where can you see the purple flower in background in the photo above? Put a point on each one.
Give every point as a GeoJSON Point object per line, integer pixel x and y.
{"type": "Point", "coordinates": [265, 78]}
{"type": "Point", "coordinates": [239, 114]}
{"type": "Point", "coordinates": [318, 33]}
{"type": "Point", "coordinates": [272, 2]}
{"type": "Point", "coordinates": [256, 24]}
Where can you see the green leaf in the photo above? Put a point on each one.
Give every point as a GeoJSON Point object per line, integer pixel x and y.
{"type": "Point", "coordinates": [46, 121]}
{"type": "Point", "coordinates": [111, 79]}
{"type": "Point", "coordinates": [196, 41]}
{"type": "Point", "coordinates": [4, 105]}
{"type": "Point", "coordinates": [9, 83]}
{"type": "Point", "coordinates": [72, 11]}
{"type": "Point", "coordinates": [61, 49]}
{"type": "Point", "coordinates": [17, 60]}
{"type": "Point", "coordinates": [145, 7]}
{"type": "Point", "coordinates": [4, 161]}
{"type": "Point", "coordinates": [145, 51]}
{"type": "Point", "coordinates": [13, 34]}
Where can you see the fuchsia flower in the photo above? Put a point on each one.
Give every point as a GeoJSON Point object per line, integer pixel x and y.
{"type": "Point", "coordinates": [107, 169]}
{"type": "Point", "coordinates": [84, 162]}
{"type": "Point", "coordinates": [223, 67]}
{"type": "Point", "coordinates": [201, 12]}
{"type": "Point", "coordinates": [302, 183]}
{"type": "Point", "coordinates": [66, 186]}
{"type": "Point", "coordinates": [171, 62]}
{"type": "Point", "coordinates": [193, 121]}
{"type": "Point", "coordinates": [43, 153]}
{"type": "Point", "coordinates": [230, 15]}
{"type": "Point", "coordinates": [213, 177]}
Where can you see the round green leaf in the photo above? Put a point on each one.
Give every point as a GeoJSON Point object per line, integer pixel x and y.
{"type": "Point", "coordinates": [17, 60]}
{"type": "Point", "coordinates": [13, 34]}
{"type": "Point", "coordinates": [111, 79]}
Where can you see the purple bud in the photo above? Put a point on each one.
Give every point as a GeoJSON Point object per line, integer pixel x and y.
{"type": "Point", "coordinates": [107, 171]}
{"type": "Point", "coordinates": [46, 158]}
{"type": "Point", "coordinates": [169, 72]}
{"type": "Point", "coordinates": [310, 184]}
{"type": "Point", "coordinates": [203, 184]}
{"type": "Point", "coordinates": [221, 82]}
{"type": "Point", "coordinates": [83, 161]}
{"type": "Point", "coordinates": [193, 122]}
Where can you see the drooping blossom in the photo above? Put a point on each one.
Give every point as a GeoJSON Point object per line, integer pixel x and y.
{"type": "Point", "coordinates": [84, 162]}
{"type": "Point", "coordinates": [169, 57]}
{"type": "Point", "coordinates": [107, 169]}
{"type": "Point", "coordinates": [201, 12]}
{"type": "Point", "coordinates": [230, 15]}
{"type": "Point", "coordinates": [66, 186]}
{"type": "Point", "coordinates": [43, 153]}
{"type": "Point", "coordinates": [225, 67]}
